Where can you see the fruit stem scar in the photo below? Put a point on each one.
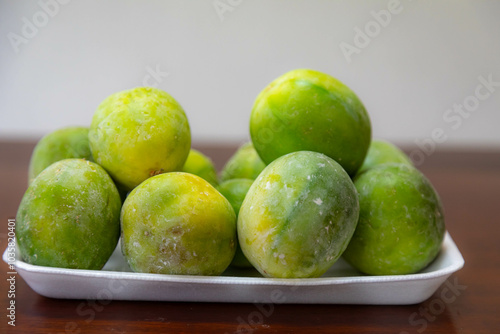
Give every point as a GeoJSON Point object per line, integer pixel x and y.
{"type": "Point", "coordinates": [156, 172]}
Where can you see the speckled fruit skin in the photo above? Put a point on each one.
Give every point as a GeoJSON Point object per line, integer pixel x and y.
{"type": "Point", "coordinates": [309, 110]}
{"type": "Point", "coordinates": [69, 217]}
{"type": "Point", "coordinates": [65, 143]}
{"type": "Point", "coordinates": [244, 164]}
{"type": "Point", "coordinates": [382, 152]}
{"type": "Point", "coordinates": [401, 223]}
{"type": "Point", "coordinates": [298, 216]}
{"type": "Point", "coordinates": [199, 164]}
{"type": "Point", "coordinates": [177, 223]}
{"type": "Point", "coordinates": [138, 133]}
{"type": "Point", "coordinates": [235, 191]}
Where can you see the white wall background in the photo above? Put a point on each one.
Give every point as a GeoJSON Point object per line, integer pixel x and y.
{"type": "Point", "coordinates": [426, 59]}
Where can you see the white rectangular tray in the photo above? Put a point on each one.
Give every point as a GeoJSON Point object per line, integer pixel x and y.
{"type": "Point", "coordinates": [340, 285]}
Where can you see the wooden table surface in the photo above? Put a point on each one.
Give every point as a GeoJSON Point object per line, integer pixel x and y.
{"type": "Point", "coordinates": [469, 185]}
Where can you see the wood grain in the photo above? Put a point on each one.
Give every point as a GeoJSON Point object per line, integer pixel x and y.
{"type": "Point", "coordinates": [468, 183]}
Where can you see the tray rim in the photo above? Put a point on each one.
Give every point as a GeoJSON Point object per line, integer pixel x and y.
{"type": "Point", "coordinates": [448, 244]}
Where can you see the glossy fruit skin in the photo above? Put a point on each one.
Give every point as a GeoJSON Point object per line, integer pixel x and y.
{"type": "Point", "coordinates": [235, 191]}
{"type": "Point", "coordinates": [69, 217]}
{"type": "Point", "coordinates": [309, 110]}
{"type": "Point", "coordinates": [401, 223]}
{"type": "Point", "coordinates": [199, 164]}
{"type": "Point", "coordinates": [298, 216]}
{"type": "Point", "coordinates": [139, 133]}
{"type": "Point", "coordinates": [177, 223]}
{"type": "Point", "coordinates": [244, 164]}
{"type": "Point", "coordinates": [383, 152]}
{"type": "Point", "coordinates": [65, 143]}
